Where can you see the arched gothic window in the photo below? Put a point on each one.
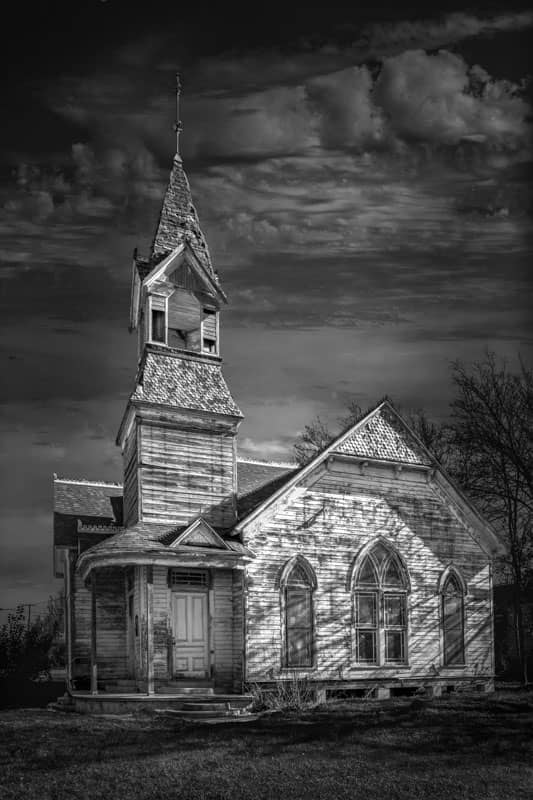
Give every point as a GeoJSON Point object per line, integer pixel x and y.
{"type": "Point", "coordinates": [452, 592]}
{"type": "Point", "coordinates": [380, 585]}
{"type": "Point", "coordinates": [297, 585]}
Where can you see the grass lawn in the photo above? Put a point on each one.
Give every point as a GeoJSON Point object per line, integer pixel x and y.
{"type": "Point", "coordinates": [457, 747]}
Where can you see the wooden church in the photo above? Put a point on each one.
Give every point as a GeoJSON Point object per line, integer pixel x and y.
{"type": "Point", "coordinates": [364, 570]}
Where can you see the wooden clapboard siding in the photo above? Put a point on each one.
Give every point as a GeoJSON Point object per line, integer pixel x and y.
{"type": "Point", "coordinates": [222, 616]}
{"type": "Point", "coordinates": [111, 623]}
{"type": "Point", "coordinates": [238, 629]}
{"type": "Point", "coordinates": [161, 618]}
{"type": "Point", "coordinates": [81, 624]}
{"type": "Point", "coordinates": [131, 479]}
{"type": "Point", "coordinates": [328, 523]}
{"type": "Point", "coordinates": [185, 473]}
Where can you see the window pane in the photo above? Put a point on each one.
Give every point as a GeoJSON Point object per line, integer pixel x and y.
{"type": "Point", "coordinates": [299, 648]}
{"type": "Point", "coordinates": [452, 586]}
{"type": "Point", "coordinates": [394, 647]}
{"type": "Point", "coordinates": [299, 626]}
{"type": "Point", "coordinates": [379, 554]}
{"type": "Point", "coordinates": [298, 608]}
{"type": "Point", "coordinates": [453, 630]}
{"type": "Point", "coordinates": [366, 609]}
{"type": "Point", "coordinates": [394, 610]}
{"type": "Point", "coordinates": [298, 575]}
{"type": "Point", "coordinates": [158, 326]}
{"type": "Point", "coordinates": [367, 573]}
{"type": "Point", "coordinates": [366, 646]}
{"type": "Point", "coordinates": [393, 575]}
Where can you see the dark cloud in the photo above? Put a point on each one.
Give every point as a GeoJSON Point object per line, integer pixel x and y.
{"type": "Point", "coordinates": [364, 195]}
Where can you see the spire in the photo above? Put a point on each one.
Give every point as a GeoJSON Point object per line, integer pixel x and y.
{"type": "Point", "coordinates": [178, 221]}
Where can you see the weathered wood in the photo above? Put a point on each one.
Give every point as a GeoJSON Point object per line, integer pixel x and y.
{"type": "Point", "coordinates": [150, 630]}
{"type": "Point", "coordinates": [184, 474]}
{"type": "Point", "coordinates": [329, 523]}
{"type": "Point", "coordinates": [94, 667]}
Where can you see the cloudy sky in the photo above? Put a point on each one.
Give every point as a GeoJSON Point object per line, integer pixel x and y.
{"type": "Point", "coordinates": [362, 180]}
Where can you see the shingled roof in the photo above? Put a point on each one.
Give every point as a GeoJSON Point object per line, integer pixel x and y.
{"type": "Point", "coordinates": [257, 480]}
{"type": "Point", "coordinates": [98, 507]}
{"type": "Point", "coordinates": [383, 435]}
{"type": "Point", "coordinates": [94, 503]}
{"type": "Point", "coordinates": [184, 383]}
{"type": "Point", "coordinates": [178, 221]}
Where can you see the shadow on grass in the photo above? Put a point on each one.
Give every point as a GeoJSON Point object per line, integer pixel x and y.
{"type": "Point", "coordinates": [470, 729]}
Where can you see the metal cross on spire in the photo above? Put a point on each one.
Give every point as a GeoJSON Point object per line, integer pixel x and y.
{"type": "Point", "coordinates": [178, 127]}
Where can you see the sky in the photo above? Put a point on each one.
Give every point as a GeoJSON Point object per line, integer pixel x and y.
{"type": "Point", "coordinates": [362, 178]}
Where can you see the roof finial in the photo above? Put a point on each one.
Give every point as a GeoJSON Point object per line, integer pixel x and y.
{"type": "Point", "coordinates": [178, 127]}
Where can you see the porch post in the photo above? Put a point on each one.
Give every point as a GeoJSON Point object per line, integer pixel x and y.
{"type": "Point", "coordinates": [94, 667]}
{"type": "Point", "coordinates": [150, 629]}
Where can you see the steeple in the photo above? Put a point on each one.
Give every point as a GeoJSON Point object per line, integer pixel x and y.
{"type": "Point", "coordinates": [178, 432]}
{"type": "Point", "coordinates": [176, 295]}
{"type": "Point", "coordinates": [178, 221]}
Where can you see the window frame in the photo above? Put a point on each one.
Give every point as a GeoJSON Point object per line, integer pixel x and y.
{"type": "Point", "coordinates": [308, 586]}
{"type": "Point", "coordinates": [382, 593]}
{"type": "Point", "coordinates": [207, 312]}
{"type": "Point", "coordinates": [452, 574]}
{"type": "Point", "coordinates": [151, 311]}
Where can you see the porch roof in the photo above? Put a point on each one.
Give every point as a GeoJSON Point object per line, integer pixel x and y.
{"type": "Point", "coordinates": [149, 543]}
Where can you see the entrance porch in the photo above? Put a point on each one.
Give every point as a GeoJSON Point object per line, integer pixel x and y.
{"type": "Point", "coordinates": [159, 629]}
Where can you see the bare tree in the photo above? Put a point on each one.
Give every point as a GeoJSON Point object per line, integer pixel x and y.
{"type": "Point", "coordinates": [316, 435]}
{"type": "Point", "coordinates": [492, 423]}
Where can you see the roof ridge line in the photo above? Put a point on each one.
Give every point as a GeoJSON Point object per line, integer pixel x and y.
{"type": "Point", "coordinates": [267, 463]}
{"type": "Point", "coordinates": [87, 482]}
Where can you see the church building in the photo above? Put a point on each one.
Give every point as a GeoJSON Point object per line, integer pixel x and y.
{"type": "Point", "coordinates": [364, 570]}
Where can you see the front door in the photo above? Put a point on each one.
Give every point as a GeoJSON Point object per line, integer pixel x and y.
{"type": "Point", "coordinates": [189, 621]}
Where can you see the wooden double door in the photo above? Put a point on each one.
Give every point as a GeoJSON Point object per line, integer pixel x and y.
{"type": "Point", "coordinates": [190, 630]}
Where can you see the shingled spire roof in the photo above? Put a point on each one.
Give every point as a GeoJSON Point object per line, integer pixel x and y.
{"type": "Point", "coordinates": [178, 221]}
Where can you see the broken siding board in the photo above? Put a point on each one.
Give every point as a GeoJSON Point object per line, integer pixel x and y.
{"type": "Point", "coordinates": [330, 531]}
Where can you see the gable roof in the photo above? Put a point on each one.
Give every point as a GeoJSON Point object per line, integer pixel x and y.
{"type": "Point", "coordinates": [384, 436]}
{"type": "Point", "coordinates": [396, 443]}
{"type": "Point", "coordinates": [174, 259]}
{"type": "Point", "coordinates": [199, 534]}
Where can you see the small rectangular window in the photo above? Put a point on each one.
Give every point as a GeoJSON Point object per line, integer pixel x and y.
{"type": "Point", "coordinates": [158, 326]}
{"type": "Point", "coordinates": [188, 577]}
{"type": "Point", "coordinates": [394, 623]}
{"type": "Point", "coordinates": [366, 620]}
{"type": "Point", "coordinates": [209, 345]}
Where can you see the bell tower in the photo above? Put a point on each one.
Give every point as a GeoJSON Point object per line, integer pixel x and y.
{"type": "Point", "coordinates": [178, 432]}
